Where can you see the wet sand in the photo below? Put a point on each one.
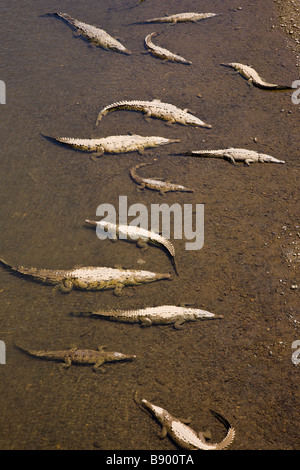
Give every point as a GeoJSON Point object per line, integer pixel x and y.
{"type": "Point", "coordinates": [247, 270]}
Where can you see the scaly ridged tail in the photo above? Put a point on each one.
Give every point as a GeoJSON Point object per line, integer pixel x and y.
{"type": "Point", "coordinates": [230, 434]}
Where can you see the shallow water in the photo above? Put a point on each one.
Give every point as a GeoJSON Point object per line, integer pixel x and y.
{"type": "Point", "coordinates": [240, 366]}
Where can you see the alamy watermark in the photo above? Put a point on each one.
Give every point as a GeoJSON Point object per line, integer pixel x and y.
{"type": "Point", "coordinates": [188, 220]}
{"type": "Point", "coordinates": [2, 92]}
{"type": "Point", "coordinates": [2, 353]}
{"type": "Point", "coordinates": [296, 94]}
{"type": "Point", "coordinates": [296, 354]}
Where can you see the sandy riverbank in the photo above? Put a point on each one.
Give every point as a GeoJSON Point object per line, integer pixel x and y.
{"type": "Point", "coordinates": [289, 20]}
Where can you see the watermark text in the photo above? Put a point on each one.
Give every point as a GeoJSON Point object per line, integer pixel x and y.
{"type": "Point", "coordinates": [296, 354]}
{"type": "Point", "coordinates": [2, 92]}
{"type": "Point", "coordinates": [188, 221]}
{"type": "Point", "coordinates": [296, 94]}
{"type": "Point", "coordinates": [2, 353]}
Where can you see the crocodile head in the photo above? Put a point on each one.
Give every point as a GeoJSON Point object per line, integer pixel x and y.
{"type": "Point", "coordinates": [262, 158]}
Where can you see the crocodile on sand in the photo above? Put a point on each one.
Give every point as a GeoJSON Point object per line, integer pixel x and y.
{"type": "Point", "coordinates": [163, 186]}
{"type": "Point", "coordinates": [94, 35]}
{"type": "Point", "coordinates": [137, 234]}
{"type": "Point", "coordinates": [89, 278]}
{"type": "Point", "coordinates": [162, 315]}
{"type": "Point", "coordinates": [114, 144]}
{"type": "Point", "coordinates": [157, 109]}
{"type": "Point", "coordinates": [253, 77]}
{"type": "Point", "coordinates": [81, 356]}
{"type": "Point", "coordinates": [180, 18]}
{"type": "Point", "coordinates": [162, 53]}
{"type": "Point", "coordinates": [235, 155]}
{"type": "Point", "coordinates": [184, 436]}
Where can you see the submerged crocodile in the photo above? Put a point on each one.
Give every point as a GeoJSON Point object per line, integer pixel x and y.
{"type": "Point", "coordinates": [253, 77]}
{"type": "Point", "coordinates": [137, 234]}
{"type": "Point", "coordinates": [114, 144]}
{"type": "Point", "coordinates": [180, 17]}
{"type": "Point", "coordinates": [81, 356]}
{"type": "Point", "coordinates": [156, 109]}
{"type": "Point", "coordinates": [183, 435]}
{"type": "Point", "coordinates": [95, 35]}
{"type": "Point", "coordinates": [155, 184]}
{"type": "Point", "coordinates": [235, 155]}
{"type": "Point", "coordinates": [163, 53]}
{"type": "Point", "coordinates": [162, 315]}
{"type": "Point", "coordinates": [89, 278]}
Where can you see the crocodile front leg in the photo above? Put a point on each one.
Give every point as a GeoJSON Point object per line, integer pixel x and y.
{"type": "Point", "coordinates": [163, 432]}
{"type": "Point", "coordinates": [142, 244]}
{"type": "Point", "coordinates": [66, 364]}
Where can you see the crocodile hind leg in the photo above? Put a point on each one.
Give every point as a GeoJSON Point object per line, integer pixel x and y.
{"type": "Point", "coordinates": [64, 286]}
{"type": "Point", "coordinates": [163, 432]}
{"type": "Point", "coordinates": [178, 325]}
{"type": "Point", "coordinates": [96, 155]}
{"type": "Point", "coordinates": [118, 291]}
{"type": "Point", "coordinates": [230, 158]}
{"type": "Point", "coordinates": [66, 364]}
{"type": "Point", "coordinates": [145, 321]}
{"type": "Point", "coordinates": [98, 365]}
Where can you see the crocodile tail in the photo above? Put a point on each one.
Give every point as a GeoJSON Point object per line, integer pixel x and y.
{"type": "Point", "coordinates": [227, 441]}
{"type": "Point", "coordinates": [283, 87]}
{"type": "Point", "coordinates": [91, 222]}
{"type": "Point", "coordinates": [66, 17]}
{"type": "Point", "coordinates": [19, 269]}
{"type": "Point", "coordinates": [2, 261]}
{"type": "Point", "coordinates": [230, 432]}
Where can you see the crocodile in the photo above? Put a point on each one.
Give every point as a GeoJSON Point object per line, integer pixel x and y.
{"type": "Point", "coordinates": [155, 184]}
{"type": "Point", "coordinates": [235, 155]}
{"type": "Point", "coordinates": [96, 36]}
{"type": "Point", "coordinates": [89, 278]}
{"type": "Point", "coordinates": [137, 234]}
{"type": "Point", "coordinates": [163, 53]}
{"type": "Point", "coordinates": [184, 436]}
{"type": "Point", "coordinates": [157, 109]}
{"type": "Point", "coordinates": [253, 77]}
{"type": "Point", "coordinates": [161, 315]}
{"type": "Point", "coordinates": [180, 17]}
{"type": "Point", "coordinates": [114, 144]}
{"type": "Point", "coordinates": [81, 356]}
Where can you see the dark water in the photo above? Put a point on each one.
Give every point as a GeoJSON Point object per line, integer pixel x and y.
{"type": "Point", "coordinates": [241, 366]}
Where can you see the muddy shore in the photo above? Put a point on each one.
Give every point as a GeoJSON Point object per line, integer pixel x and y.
{"type": "Point", "coordinates": [247, 270]}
